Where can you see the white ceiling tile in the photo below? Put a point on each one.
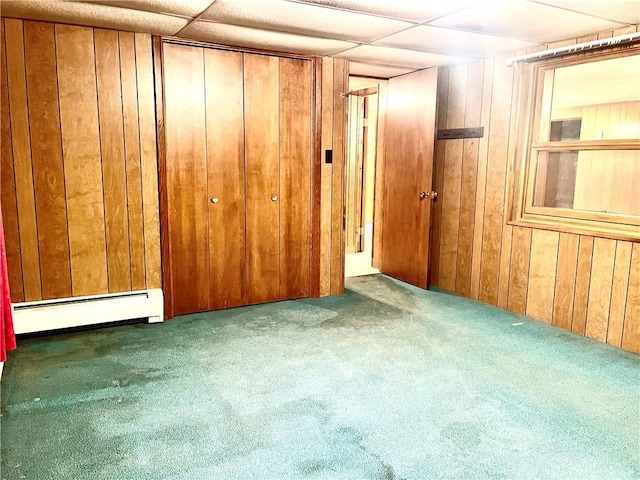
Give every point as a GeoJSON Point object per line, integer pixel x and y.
{"type": "Point", "coordinates": [452, 42]}
{"type": "Point", "coordinates": [412, 10]}
{"type": "Point", "coordinates": [94, 15]}
{"type": "Point", "coordinates": [282, 15]}
{"type": "Point", "coordinates": [525, 20]}
{"type": "Point", "coordinates": [191, 8]}
{"type": "Point", "coordinates": [379, 71]}
{"type": "Point", "coordinates": [262, 39]}
{"type": "Point", "coordinates": [398, 57]}
{"type": "Point", "coordinates": [625, 11]}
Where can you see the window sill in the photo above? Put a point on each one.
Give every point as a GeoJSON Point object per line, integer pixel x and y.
{"type": "Point", "coordinates": [627, 233]}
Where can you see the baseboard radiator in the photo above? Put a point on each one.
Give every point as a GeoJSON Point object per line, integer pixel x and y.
{"type": "Point", "coordinates": [42, 316]}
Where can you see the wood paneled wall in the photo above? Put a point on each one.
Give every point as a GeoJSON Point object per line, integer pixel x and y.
{"type": "Point", "coordinates": [79, 163]}
{"type": "Point", "coordinates": [587, 285]}
{"type": "Point", "coordinates": [335, 80]}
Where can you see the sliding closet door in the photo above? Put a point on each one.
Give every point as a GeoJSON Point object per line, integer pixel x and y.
{"type": "Point", "coordinates": [186, 180]}
{"type": "Point", "coordinates": [225, 166]}
{"type": "Point", "coordinates": [262, 105]}
{"type": "Point", "coordinates": [295, 177]}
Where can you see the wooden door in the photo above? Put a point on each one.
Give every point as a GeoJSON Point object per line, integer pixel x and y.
{"type": "Point", "coordinates": [225, 181]}
{"type": "Point", "coordinates": [186, 177]}
{"type": "Point", "coordinates": [262, 160]}
{"type": "Point", "coordinates": [410, 135]}
{"type": "Point", "coordinates": [295, 177]}
{"type": "Point", "coordinates": [354, 228]}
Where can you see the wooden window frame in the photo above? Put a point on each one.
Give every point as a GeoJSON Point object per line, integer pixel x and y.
{"type": "Point", "coordinates": [527, 108]}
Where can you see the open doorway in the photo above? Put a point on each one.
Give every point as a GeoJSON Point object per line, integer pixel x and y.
{"type": "Point", "coordinates": [360, 181]}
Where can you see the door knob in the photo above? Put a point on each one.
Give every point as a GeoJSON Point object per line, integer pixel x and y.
{"type": "Point", "coordinates": [274, 198]}
{"type": "Point", "coordinates": [424, 195]}
{"type": "Point", "coordinates": [214, 200]}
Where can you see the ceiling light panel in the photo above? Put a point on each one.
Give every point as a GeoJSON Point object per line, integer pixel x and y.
{"type": "Point", "coordinates": [625, 11]}
{"type": "Point", "coordinates": [398, 57]}
{"type": "Point", "coordinates": [525, 21]}
{"type": "Point", "coordinates": [262, 39]}
{"type": "Point", "coordinates": [94, 15]}
{"type": "Point", "coordinates": [452, 42]}
{"type": "Point", "coordinates": [417, 11]}
{"type": "Point", "coordinates": [379, 71]}
{"type": "Point", "coordinates": [190, 9]}
{"type": "Point", "coordinates": [301, 18]}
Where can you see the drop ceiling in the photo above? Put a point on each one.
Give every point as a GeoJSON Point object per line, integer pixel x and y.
{"type": "Point", "coordinates": [382, 38]}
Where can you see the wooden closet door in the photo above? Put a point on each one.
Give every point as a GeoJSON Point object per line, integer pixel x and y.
{"type": "Point", "coordinates": [261, 84]}
{"type": "Point", "coordinates": [295, 177]}
{"type": "Point", "coordinates": [186, 177]}
{"type": "Point", "coordinates": [225, 167]}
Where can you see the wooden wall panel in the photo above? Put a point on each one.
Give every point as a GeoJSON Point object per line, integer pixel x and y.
{"type": "Point", "coordinates": [132, 158]}
{"type": "Point", "coordinates": [619, 289]}
{"type": "Point", "coordinates": [64, 182]}
{"type": "Point", "coordinates": [22, 165]}
{"type": "Point", "coordinates": [326, 175]}
{"type": "Point", "coordinates": [114, 175]}
{"type": "Point", "coordinates": [148, 159]}
{"type": "Point", "coordinates": [470, 151]}
{"type": "Point", "coordinates": [565, 280]}
{"type": "Point", "coordinates": [580, 283]}
{"type": "Point", "coordinates": [46, 156]}
{"type": "Point", "coordinates": [8, 185]}
{"type": "Point", "coordinates": [631, 329]}
{"type": "Point", "coordinates": [542, 274]}
{"type": "Point", "coordinates": [450, 194]}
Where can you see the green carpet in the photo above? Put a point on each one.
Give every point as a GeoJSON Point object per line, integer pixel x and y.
{"type": "Point", "coordinates": [384, 382]}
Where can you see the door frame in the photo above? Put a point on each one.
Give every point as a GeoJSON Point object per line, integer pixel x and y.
{"type": "Point", "coordinates": [315, 165]}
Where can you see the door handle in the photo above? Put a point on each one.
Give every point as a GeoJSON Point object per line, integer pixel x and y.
{"type": "Point", "coordinates": [274, 198]}
{"type": "Point", "coordinates": [424, 195]}
{"type": "Point", "coordinates": [214, 200]}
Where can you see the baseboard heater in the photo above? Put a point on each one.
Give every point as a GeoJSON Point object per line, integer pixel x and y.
{"type": "Point", "coordinates": [42, 316]}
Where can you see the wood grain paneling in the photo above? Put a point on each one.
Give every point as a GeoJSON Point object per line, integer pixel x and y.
{"type": "Point", "coordinates": [114, 175]}
{"type": "Point", "coordinates": [66, 195]}
{"type": "Point", "coordinates": [132, 158]}
{"type": "Point", "coordinates": [583, 279]}
{"type": "Point", "coordinates": [631, 328]}
{"type": "Point", "coordinates": [8, 190]}
{"type": "Point", "coordinates": [468, 181]}
{"type": "Point", "coordinates": [46, 156]}
{"type": "Point", "coordinates": [262, 173]}
{"type": "Point", "coordinates": [81, 146]}
{"type": "Point", "coordinates": [148, 159]}
{"type": "Point", "coordinates": [378, 188]}
{"type": "Point", "coordinates": [565, 280]}
{"type": "Point", "coordinates": [225, 165]}
{"type": "Point", "coordinates": [542, 274]}
{"type": "Point", "coordinates": [22, 166]}
{"type": "Point", "coordinates": [340, 80]}
{"type": "Point", "coordinates": [604, 253]}
{"type": "Point", "coordinates": [295, 177]}
{"type": "Point", "coordinates": [580, 283]}
{"type": "Point", "coordinates": [326, 176]}
{"type": "Point", "coordinates": [619, 289]}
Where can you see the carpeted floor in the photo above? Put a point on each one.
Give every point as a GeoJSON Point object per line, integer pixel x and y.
{"type": "Point", "coordinates": [385, 382]}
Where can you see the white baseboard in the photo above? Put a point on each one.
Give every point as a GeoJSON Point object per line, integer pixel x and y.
{"type": "Point", "coordinates": [42, 316]}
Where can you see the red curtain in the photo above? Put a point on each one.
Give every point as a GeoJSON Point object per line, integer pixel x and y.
{"type": "Point", "coordinates": [7, 337]}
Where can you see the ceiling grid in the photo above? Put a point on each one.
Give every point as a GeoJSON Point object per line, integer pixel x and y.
{"type": "Point", "coordinates": [382, 38]}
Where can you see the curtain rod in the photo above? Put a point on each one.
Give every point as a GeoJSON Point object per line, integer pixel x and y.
{"type": "Point", "coordinates": [605, 42]}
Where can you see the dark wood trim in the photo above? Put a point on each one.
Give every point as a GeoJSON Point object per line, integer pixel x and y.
{"type": "Point", "coordinates": [316, 177]}
{"type": "Point", "coordinates": [219, 46]}
{"type": "Point", "coordinates": [165, 262]}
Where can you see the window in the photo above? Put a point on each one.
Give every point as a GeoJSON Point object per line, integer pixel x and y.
{"type": "Point", "coordinates": [580, 167]}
